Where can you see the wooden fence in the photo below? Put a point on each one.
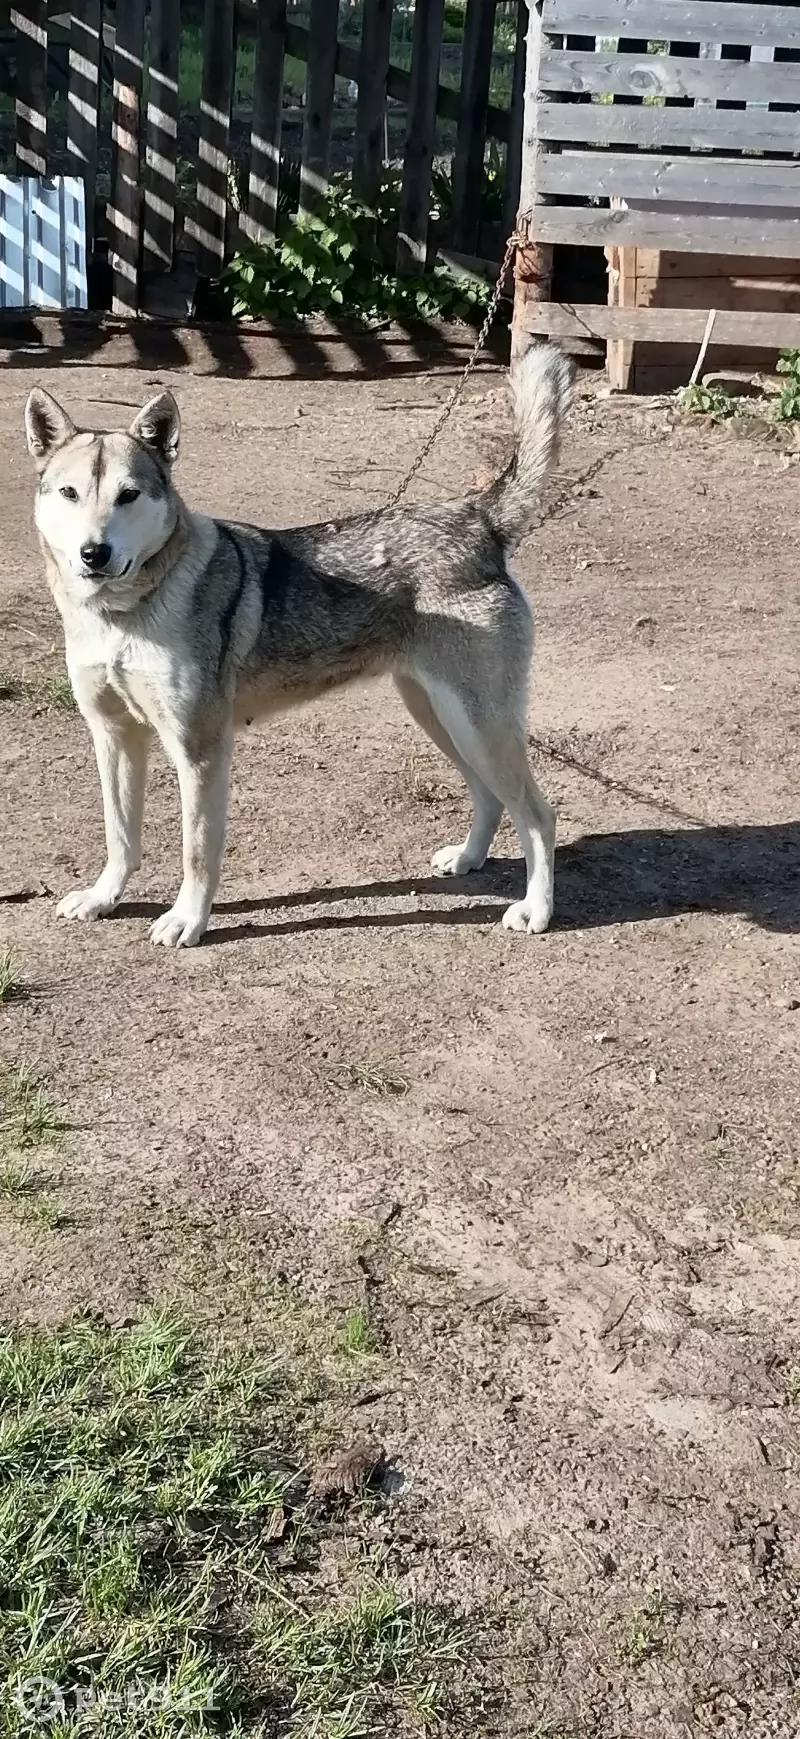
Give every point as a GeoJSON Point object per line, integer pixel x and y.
{"type": "Point", "coordinates": [142, 43]}
{"type": "Point", "coordinates": [661, 124]}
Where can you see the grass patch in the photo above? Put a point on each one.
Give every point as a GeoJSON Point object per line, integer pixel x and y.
{"type": "Point", "coordinates": [11, 985]}
{"type": "Point", "coordinates": [424, 785]}
{"type": "Point", "coordinates": [17, 1180]}
{"type": "Point", "coordinates": [646, 1632]}
{"type": "Point", "coordinates": [28, 1118]}
{"type": "Point", "coordinates": [163, 1572]}
{"type": "Point", "coordinates": [793, 1386]}
{"type": "Point", "coordinates": [46, 693]}
{"type": "Point", "coordinates": [357, 1337]}
{"type": "Point", "coordinates": [381, 1080]}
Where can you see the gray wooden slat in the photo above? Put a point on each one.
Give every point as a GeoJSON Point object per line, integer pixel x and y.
{"type": "Point", "coordinates": [662, 75]}
{"type": "Point", "coordinates": [476, 70]}
{"type": "Point", "coordinates": [30, 22]}
{"type": "Point", "coordinates": [678, 20]}
{"type": "Point", "coordinates": [420, 136]}
{"type": "Point", "coordinates": [320, 86]}
{"type": "Point", "coordinates": [124, 207]}
{"type": "Point", "coordinates": [398, 82]}
{"type": "Point", "coordinates": [83, 98]}
{"type": "Point", "coordinates": [161, 134]}
{"type": "Point", "coordinates": [373, 69]}
{"type": "Point", "coordinates": [710, 129]}
{"type": "Point", "coordinates": [265, 139]}
{"type": "Point", "coordinates": [514, 147]}
{"type": "Point", "coordinates": [675, 232]}
{"type": "Point", "coordinates": [664, 325]}
{"type": "Point", "coordinates": [709, 180]}
{"type": "Point", "coordinates": [215, 122]}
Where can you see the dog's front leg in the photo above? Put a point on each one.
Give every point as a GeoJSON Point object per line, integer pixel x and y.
{"type": "Point", "coordinates": [203, 780]}
{"type": "Point", "coordinates": [120, 745]}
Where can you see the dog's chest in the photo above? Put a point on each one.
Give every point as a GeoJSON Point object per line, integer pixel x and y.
{"type": "Point", "coordinates": [109, 663]}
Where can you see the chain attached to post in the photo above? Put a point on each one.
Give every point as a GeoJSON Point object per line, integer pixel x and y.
{"type": "Point", "coordinates": [515, 240]}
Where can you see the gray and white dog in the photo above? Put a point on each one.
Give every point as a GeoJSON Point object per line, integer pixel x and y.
{"type": "Point", "coordinates": [188, 626]}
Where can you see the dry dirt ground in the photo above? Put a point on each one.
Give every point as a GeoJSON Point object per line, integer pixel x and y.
{"type": "Point", "coordinates": [577, 1233]}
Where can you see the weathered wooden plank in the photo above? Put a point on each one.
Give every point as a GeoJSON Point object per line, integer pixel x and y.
{"type": "Point", "coordinates": [663, 325]}
{"type": "Point", "coordinates": [215, 122]}
{"type": "Point", "coordinates": [320, 86]}
{"type": "Point", "coordinates": [696, 129]}
{"type": "Point", "coordinates": [533, 259]}
{"type": "Point", "coordinates": [514, 147]}
{"type": "Point", "coordinates": [30, 22]}
{"type": "Point", "coordinates": [678, 20]}
{"type": "Point", "coordinates": [476, 69]}
{"type": "Point", "coordinates": [83, 98]}
{"type": "Point", "coordinates": [161, 134]}
{"type": "Point", "coordinates": [665, 75]}
{"type": "Point", "coordinates": [708, 180]}
{"type": "Point", "coordinates": [412, 236]}
{"type": "Point", "coordinates": [124, 212]}
{"type": "Point", "coordinates": [265, 138]}
{"type": "Point", "coordinates": [700, 232]}
{"type": "Point", "coordinates": [398, 82]}
{"type": "Point", "coordinates": [373, 70]}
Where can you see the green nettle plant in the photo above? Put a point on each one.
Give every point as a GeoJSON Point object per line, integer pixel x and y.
{"type": "Point", "coordinates": [788, 405]}
{"type": "Point", "coordinates": [331, 259]}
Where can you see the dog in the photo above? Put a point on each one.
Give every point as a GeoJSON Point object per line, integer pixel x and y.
{"type": "Point", "coordinates": [188, 627]}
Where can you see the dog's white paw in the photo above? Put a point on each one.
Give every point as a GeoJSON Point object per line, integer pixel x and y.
{"type": "Point", "coordinates": [178, 929]}
{"type": "Point", "coordinates": [525, 915]}
{"type": "Point", "coordinates": [453, 860]}
{"type": "Point", "coordinates": [86, 903]}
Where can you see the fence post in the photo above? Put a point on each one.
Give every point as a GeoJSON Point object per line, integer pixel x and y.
{"type": "Point", "coordinates": [265, 138]}
{"type": "Point", "coordinates": [161, 139]}
{"type": "Point", "coordinates": [30, 22]}
{"type": "Point", "coordinates": [83, 99]}
{"type": "Point", "coordinates": [514, 146]}
{"type": "Point", "coordinates": [125, 207]}
{"type": "Point", "coordinates": [373, 67]}
{"type": "Point", "coordinates": [426, 45]}
{"type": "Point", "coordinates": [476, 72]}
{"type": "Point", "coordinates": [215, 123]}
{"type": "Point", "coordinates": [533, 265]}
{"type": "Point", "coordinates": [320, 86]}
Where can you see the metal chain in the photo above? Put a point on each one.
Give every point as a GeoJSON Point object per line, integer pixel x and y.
{"type": "Point", "coordinates": [514, 241]}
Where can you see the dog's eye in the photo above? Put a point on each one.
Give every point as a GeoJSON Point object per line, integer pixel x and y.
{"type": "Point", "coordinates": [126, 496]}
{"type": "Point", "coordinates": [69, 493]}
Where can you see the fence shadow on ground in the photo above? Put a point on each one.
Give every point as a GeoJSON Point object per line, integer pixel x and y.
{"type": "Point", "coordinates": [343, 351]}
{"type": "Point", "coordinates": [601, 880]}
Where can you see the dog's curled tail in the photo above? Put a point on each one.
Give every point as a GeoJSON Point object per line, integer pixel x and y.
{"type": "Point", "coordinates": [541, 385]}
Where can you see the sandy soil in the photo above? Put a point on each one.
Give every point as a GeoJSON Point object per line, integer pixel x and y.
{"type": "Point", "coordinates": [578, 1232]}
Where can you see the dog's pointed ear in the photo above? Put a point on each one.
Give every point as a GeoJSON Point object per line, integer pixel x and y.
{"type": "Point", "coordinates": [47, 426]}
{"type": "Point", "coordinates": [158, 426]}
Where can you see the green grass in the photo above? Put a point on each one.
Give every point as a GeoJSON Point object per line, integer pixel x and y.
{"type": "Point", "coordinates": [48, 693]}
{"type": "Point", "coordinates": [646, 1632]}
{"type": "Point", "coordinates": [357, 1337]}
{"type": "Point", "coordinates": [157, 1554]}
{"type": "Point", "coordinates": [11, 985]}
{"type": "Point", "coordinates": [28, 1118]}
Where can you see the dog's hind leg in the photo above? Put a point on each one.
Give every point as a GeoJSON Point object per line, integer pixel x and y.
{"type": "Point", "coordinates": [203, 778]}
{"type": "Point", "coordinates": [493, 743]}
{"type": "Point", "coordinates": [455, 860]}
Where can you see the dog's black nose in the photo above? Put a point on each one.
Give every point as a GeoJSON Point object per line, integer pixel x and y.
{"type": "Point", "coordinates": [96, 556]}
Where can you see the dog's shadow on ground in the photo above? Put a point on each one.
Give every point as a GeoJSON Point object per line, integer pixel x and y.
{"type": "Point", "coordinates": [601, 879]}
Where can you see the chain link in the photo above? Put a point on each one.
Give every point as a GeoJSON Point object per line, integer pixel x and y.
{"type": "Point", "coordinates": [514, 241]}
